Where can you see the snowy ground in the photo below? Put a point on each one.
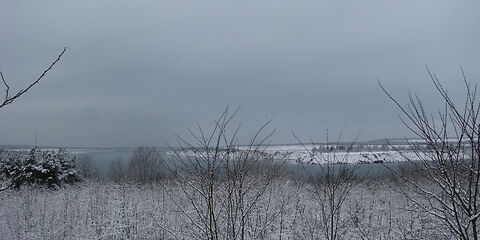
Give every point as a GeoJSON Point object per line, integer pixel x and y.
{"type": "Point", "coordinates": [307, 154]}
{"type": "Point", "coordinates": [288, 210]}
{"type": "Point", "coordinates": [310, 154]}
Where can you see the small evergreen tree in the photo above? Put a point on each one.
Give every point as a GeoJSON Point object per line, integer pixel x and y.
{"type": "Point", "coordinates": [45, 168]}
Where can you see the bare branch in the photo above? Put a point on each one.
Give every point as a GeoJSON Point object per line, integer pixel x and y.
{"type": "Point", "coordinates": [10, 98]}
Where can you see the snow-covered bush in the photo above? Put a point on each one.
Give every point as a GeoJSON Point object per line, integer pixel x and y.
{"type": "Point", "coordinates": [48, 168]}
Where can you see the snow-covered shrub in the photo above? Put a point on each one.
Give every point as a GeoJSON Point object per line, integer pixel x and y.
{"type": "Point", "coordinates": [47, 167]}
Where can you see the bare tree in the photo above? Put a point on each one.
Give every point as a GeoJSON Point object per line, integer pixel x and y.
{"type": "Point", "coordinates": [248, 175]}
{"type": "Point", "coordinates": [145, 165]}
{"type": "Point", "coordinates": [9, 97]}
{"type": "Point", "coordinates": [223, 181]}
{"type": "Point", "coordinates": [331, 186]}
{"type": "Point", "coordinates": [116, 170]}
{"type": "Point", "coordinates": [85, 166]}
{"type": "Point", "coordinates": [446, 160]}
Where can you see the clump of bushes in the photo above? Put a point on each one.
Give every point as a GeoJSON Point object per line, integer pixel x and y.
{"type": "Point", "coordinates": [38, 167]}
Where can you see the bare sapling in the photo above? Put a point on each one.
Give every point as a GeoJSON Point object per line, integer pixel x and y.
{"type": "Point", "coordinates": [223, 181]}
{"type": "Point", "coordinates": [445, 160]}
{"type": "Point", "coordinates": [331, 186]}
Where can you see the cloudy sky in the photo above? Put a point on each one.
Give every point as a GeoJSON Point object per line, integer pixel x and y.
{"type": "Point", "coordinates": [135, 72]}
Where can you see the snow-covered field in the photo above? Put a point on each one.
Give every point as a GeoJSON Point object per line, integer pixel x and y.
{"type": "Point", "coordinates": [307, 154]}
{"type": "Point", "coordinates": [288, 210]}
{"type": "Point", "coordinates": [282, 206]}
{"type": "Point", "coordinates": [310, 154]}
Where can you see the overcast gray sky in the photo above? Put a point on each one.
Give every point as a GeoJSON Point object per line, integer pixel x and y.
{"type": "Point", "coordinates": [137, 71]}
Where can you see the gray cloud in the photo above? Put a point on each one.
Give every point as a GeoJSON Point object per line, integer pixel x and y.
{"type": "Point", "coordinates": [136, 71]}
